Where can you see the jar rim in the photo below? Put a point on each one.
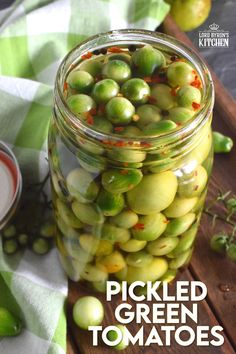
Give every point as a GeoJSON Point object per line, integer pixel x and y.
{"type": "Point", "coordinates": [12, 206]}
{"type": "Point", "coordinates": [140, 36]}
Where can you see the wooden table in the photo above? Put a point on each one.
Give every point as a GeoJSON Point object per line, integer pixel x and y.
{"type": "Point", "coordinates": [218, 273]}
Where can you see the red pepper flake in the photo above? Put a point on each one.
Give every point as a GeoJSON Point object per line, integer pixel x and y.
{"type": "Point", "coordinates": [107, 142]}
{"type": "Point", "coordinates": [125, 164]}
{"type": "Point", "coordinates": [138, 226]}
{"type": "Point", "coordinates": [166, 221]}
{"type": "Point", "coordinates": [196, 83]}
{"type": "Point", "coordinates": [151, 99]}
{"type": "Point", "coordinates": [101, 109]}
{"type": "Point", "coordinates": [196, 187]}
{"type": "Point", "coordinates": [195, 106]}
{"type": "Point", "coordinates": [195, 173]}
{"type": "Point", "coordinates": [173, 91]}
{"type": "Point", "coordinates": [147, 79]}
{"type": "Point", "coordinates": [130, 143]}
{"type": "Point", "coordinates": [159, 79]}
{"type": "Point", "coordinates": [124, 172]}
{"type": "Point", "coordinates": [89, 118]}
{"type": "Point", "coordinates": [135, 117]}
{"type": "Point", "coordinates": [115, 50]}
{"type": "Point", "coordinates": [120, 143]}
{"type": "Point", "coordinates": [93, 111]}
{"type": "Point", "coordinates": [98, 78]}
{"type": "Point", "coordinates": [87, 55]}
{"type": "Point", "coordinates": [65, 86]}
{"type": "Point", "coordinates": [119, 129]}
{"type": "Point", "coordinates": [145, 144]}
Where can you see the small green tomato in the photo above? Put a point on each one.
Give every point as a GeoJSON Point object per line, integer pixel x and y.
{"type": "Point", "coordinates": [80, 80]}
{"type": "Point", "coordinates": [88, 311]}
{"type": "Point", "coordinates": [80, 103]}
{"type": "Point", "coordinates": [119, 110]}
{"type": "Point", "coordinates": [117, 70]}
{"type": "Point", "coordinates": [113, 336]}
{"type": "Point", "coordinates": [218, 242]}
{"type": "Point", "coordinates": [104, 90]}
{"type": "Point", "coordinates": [136, 90]}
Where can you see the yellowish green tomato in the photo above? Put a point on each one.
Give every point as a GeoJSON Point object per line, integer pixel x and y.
{"type": "Point", "coordinates": [102, 124]}
{"type": "Point", "coordinates": [81, 185]}
{"type": "Point", "coordinates": [147, 59]}
{"type": "Point", "coordinates": [180, 115]}
{"type": "Point", "coordinates": [113, 336]}
{"type": "Point", "coordinates": [151, 272]}
{"type": "Point", "coordinates": [190, 14]}
{"type": "Point", "coordinates": [120, 56]}
{"type": "Point", "coordinates": [180, 207]}
{"type": "Point", "coordinates": [80, 103]}
{"type": "Point", "coordinates": [149, 227]}
{"type": "Point", "coordinates": [179, 225]}
{"type": "Point", "coordinates": [180, 74]}
{"type": "Point", "coordinates": [136, 90]}
{"type": "Point", "coordinates": [113, 263]}
{"type": "Point", "coordinates": [139, 259]}
{"type": "Point", "coordinates": [117, 70]}
{"type": "Point", "coordinates": [154, 193]}
{"type": "Point", "coordinates": [193, 186]}
{"type": "Point", "coordinates": [148, 113]}
{"type": "Point", "coordinates": [119, 110]}
{"type": "Point", "coordinates": [104, 90]}
{"type": "Point", "coordinates": [92, 66]}
{"type": "Point", "coordinates": [162, 246]}
{"type": "Point", "coordinates": [164, 126]}
{"type": "Point", "coordinates": [88, 213]}
{"type": "Point", "coordinates": [80, 80]}
{"type": "Point", "coordinates": [88, 311]}
{"type": "Point", "coordinates": [126, 219]}
{"type": "Point", "coordinates": [187, 96]}
{"type": "Point", "coordinates": [163, 95]}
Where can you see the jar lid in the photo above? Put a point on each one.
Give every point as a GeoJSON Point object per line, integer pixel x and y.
{"type": "Point", "coordinates": [10, 184]}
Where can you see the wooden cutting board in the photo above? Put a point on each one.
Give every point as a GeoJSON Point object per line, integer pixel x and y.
{"type": "Point", "coordinates": [218, 273]}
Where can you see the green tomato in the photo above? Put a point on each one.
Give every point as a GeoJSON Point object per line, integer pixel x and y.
{"type": "Point", "coordinates": [163, 96]}
{"type": "Point", "coordinates": [111, 204]}
{"type": "Point", "coordinates": [162, 127]}
{"type": "Point", "coordinates": [102, 124]}
{"type": "Point", "coordinates": [222, 143]}
{"type": "Point", "coordinates": [117, 70]}
{"type": "Point", "coordinates": [88, 311]}
{"type": "Point", "coordinates": [125, 219]}
{"type": "Point", "coordinates": [81, 185]}
{"type": "Point", "coordinates": [180, 115]}
{"type": "Point", "coordinates": [81, 81]}
{"type": "Point", "coordinates": [231, 252]}
{"type": "Point", "coordinates": [136, 90]}
{"type": "Point", "coordinates": [147, 59]}
{"type": "Point", "coordinates": [121, 181]}
{"type": "Point", "coordinates": [150, 227]}
{"type": "Point", "coordinates": [113, 336]}
{"type": "Point", "coordinates": [104, 90]}
{"type": "Point", "coordinates": [148, 114]}
{"type": "Point", "coordinates": [187, 95]}
{"type": "Point", "coordinates": [92, 66]}
{"type": "Point", "coordinates": [219, 242]}
{"type": "Point", "coordinates": [153, 194]}
{"type": "Point", "coordinates": [80, 103]}
{"type": "Point", "coordinates": [180, 74]}
{"type": "Point", "coordinates": [119, 110]}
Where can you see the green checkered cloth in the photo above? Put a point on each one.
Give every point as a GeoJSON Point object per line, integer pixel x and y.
{"type": "Point", "coordinates": [34, 37]}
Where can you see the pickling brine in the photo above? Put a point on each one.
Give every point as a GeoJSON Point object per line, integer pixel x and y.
{"type": "Point", "coordinates": [130, 151]}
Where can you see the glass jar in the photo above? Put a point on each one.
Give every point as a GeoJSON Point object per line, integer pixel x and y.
{"type": "Point", "coordinates": [106, 227]}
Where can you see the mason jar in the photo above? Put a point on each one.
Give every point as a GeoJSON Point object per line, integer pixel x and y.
{"type": "Point", "coordinates": [128, 207]}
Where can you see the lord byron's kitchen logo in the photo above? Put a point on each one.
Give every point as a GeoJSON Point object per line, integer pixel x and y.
{"type": "Point", "coordinates": [213, 37]}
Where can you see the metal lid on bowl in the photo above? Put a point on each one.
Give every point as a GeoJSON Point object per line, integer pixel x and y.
{"type": "Point", "coordinates": [10, 184]}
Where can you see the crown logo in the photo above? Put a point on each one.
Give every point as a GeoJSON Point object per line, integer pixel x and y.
{"type": "Point", "coordinates": [214, 26]}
